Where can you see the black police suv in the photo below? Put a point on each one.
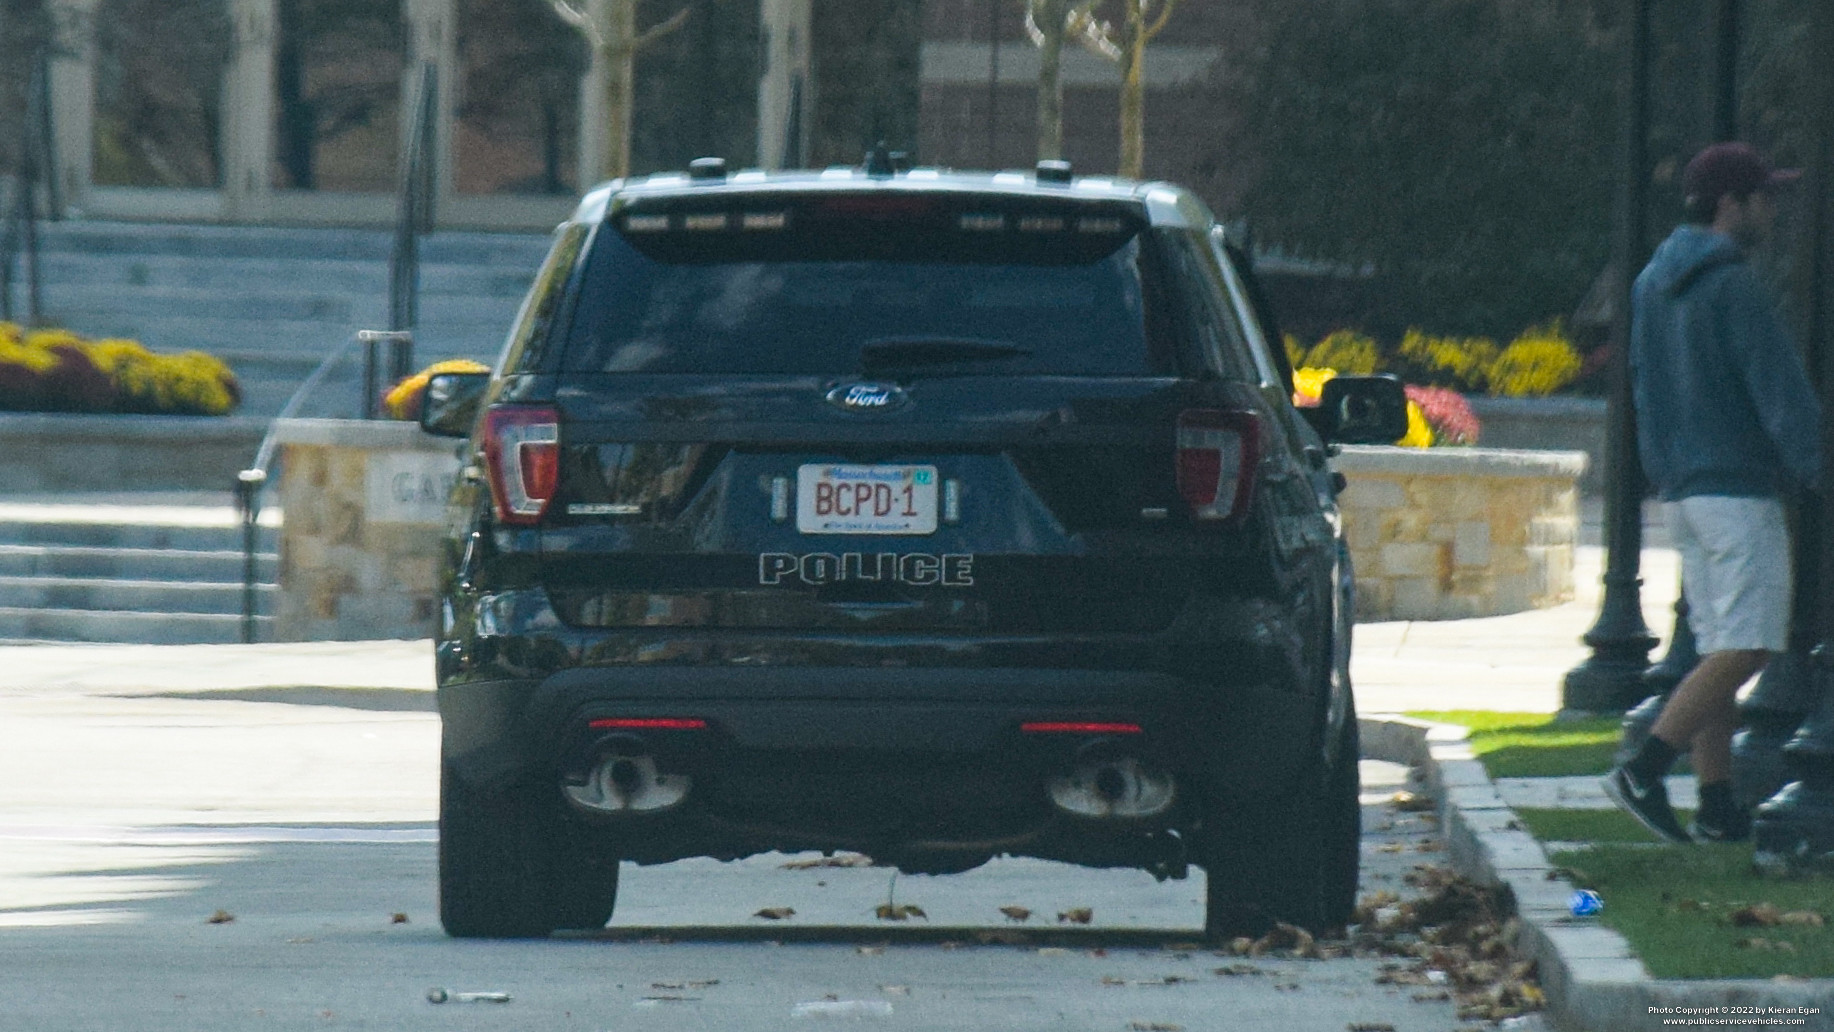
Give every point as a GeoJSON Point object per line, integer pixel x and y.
{"type": "Point", "coordinates": [932, 515]}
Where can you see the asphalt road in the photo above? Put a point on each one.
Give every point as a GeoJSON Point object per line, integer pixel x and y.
{"type": "Point", "coordinates": [134, 809]}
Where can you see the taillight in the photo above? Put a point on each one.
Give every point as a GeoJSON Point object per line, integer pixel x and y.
{"type": "Point", "coordinates": [522, 455]}
{"type": "Point", "coordinates": [1218, 451]}
{"type": "Point", "coordinates": [1079, 727]}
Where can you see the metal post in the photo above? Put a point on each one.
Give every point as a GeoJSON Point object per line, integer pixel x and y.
{"type": "Point", "coordinates": [1795, 828]}
{"type": "Point", "coordinates": [1611, 679]}
{"type": "Point", "coordinates": [993, 82]}
{"type": "Point", "coordinates": [396, 364]}
{"type": "Point", "coordinates": [249, 483]}
{"type": "Point", "coordinates": [1725, 79]}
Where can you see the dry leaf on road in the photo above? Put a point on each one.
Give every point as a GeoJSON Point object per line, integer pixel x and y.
{"type": "Point", "coordinates": [221, 917]}
{"type": "Point", "coordinates": [1016, 913]}
{"type": "Point", "coordinates": [776, 913]}
{"type": "Point", "coordinates": [1076, 915]}
{"type": "Point", "coordinates": [899, 911]}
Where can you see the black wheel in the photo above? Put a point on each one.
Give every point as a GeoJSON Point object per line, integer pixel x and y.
{"type": "Point", "coordinates": [1295, 862]}
{"type": "Point", "coordinates": [496, 860]}
{"type": "Point", "coordinates": [1343, 844]}
{"type": "Point", "coordinates": [585, 888]}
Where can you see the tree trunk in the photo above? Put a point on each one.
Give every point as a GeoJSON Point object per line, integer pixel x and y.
{"type": "Point", "coordinates": [620, 54]}
{"type": "Point", "coordinates": [1050, 16]}
{"type": "Point", "coordinates": [1133, 94]}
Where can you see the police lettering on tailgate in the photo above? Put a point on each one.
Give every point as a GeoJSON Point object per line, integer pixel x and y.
{"type": "Point", "coordinates": [920, 569]}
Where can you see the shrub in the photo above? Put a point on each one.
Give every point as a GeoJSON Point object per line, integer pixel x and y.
{"type": "Point", "coordinates": [402, 401]}
{"type": "Point", "coordinates": [54, 370]}
{"type": "Point", "coordinates": [1346, 351]}
{"type": "Point", "coordinates": [1461, 362]}
{"type": "Point", "coordinates": [1535, 364]}
{"type": "Point", "coordinates": [1446, 412]}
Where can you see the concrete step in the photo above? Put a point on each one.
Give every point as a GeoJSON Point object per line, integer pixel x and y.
{"type": "Point", "coordinates": [103, 625]}
{"type": "Point", "coordinates": [477, 332]}
{"type": "Point", "coordinates": [133, 536]}
{"type": "Point", "coordinates": [515, 250]}
{"type": "Point", "coordinates": [68, 561]}
{"type": "Point", "coordinates": [153, 596]}
{"type": "Point", "coordinates": [275, 303]}
{"type": "Point", "coordinates": [135, 271]}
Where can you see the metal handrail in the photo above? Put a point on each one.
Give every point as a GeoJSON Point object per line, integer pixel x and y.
{"type": "Point", "coordinates": [250, 481]}
{"type": "Point", "coordinates": [36, 155]}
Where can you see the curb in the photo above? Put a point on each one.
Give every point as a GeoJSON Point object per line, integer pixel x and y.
{"type": "Point", "coordinates": [1594, 983]}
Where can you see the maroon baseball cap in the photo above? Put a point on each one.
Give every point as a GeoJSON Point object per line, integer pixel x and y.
{"type": "Point", "coordinates": [1732, 168]}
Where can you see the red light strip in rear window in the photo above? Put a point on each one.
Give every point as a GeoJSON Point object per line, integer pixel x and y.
{"type": "Point", "coordinates": [648, 724]}
{"type": "Point", "coordinates": [1078, 727]}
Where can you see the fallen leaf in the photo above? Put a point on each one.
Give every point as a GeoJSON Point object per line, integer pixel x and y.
{"type": "Point", "coordinates": [776, 913]}
{"type": "Point", "coordinates": [1112, 980]}
{"type": "Point", "coordinates": [1437, 997]}
{"type": "Point", "coordinates": [841, 860]}
{"type": "Point", "coordinates": [1238, 970]}
{"type": "Point", "coordinates": [398, 918]}
{"type": "Point", "coordinates": [1390, 847]}
{"type": "Point", "coordinates": [1762, 915]}
{"type": "Point", "coordinates": [1077, 915]}
{"type": "Point", "coordinates": [1429, 846]}
{"type": "Point", "coordinates": [1153, 1026]}
{"type": "Point", "coordinates": [1286, 987]}
{"type": "Point", "coordinates": [1410, 802]}
{"type": "Point", "coordinates": [1240, 945]}
{"type": "Point", "coordinates": [1370, 1026]}
{"type": "Point", "coordinates": [899, 912]}
{"type": "Point", "coordinates": [1286, 937]}
{"type": "Point", "coordinates": [221, 917]}
{"type": "Point", "coordinates": [1016, 913]}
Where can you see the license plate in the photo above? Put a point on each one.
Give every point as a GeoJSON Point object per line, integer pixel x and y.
{"type": "Point", "coordinates": [866, 499]}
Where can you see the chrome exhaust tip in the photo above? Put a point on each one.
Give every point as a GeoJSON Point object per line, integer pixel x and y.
{"type": "Point", "coordinates": [628, 782]}
{"type": "Point", "coordinates": [1119, 788]}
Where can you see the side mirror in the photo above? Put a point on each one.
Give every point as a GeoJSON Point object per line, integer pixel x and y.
{"type": "Point", "coordinates": [450, 406]}
{"type": "Point", "coordinates": [1360, 410]}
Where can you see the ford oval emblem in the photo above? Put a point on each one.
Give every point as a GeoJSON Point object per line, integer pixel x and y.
{"type": "Point", "coordinates": [868, 396]}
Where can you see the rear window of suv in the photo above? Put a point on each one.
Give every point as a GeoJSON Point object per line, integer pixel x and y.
{"type": "Point", "coordinates": [872, 284]}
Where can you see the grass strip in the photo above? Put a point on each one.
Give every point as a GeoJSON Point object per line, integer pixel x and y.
{"type": "Point", "coordinates": [1533, 745]}
{"type": "Point", "coordinates": [1678, 907]}
{"type": "Point", "coordinates": [1600, 826]}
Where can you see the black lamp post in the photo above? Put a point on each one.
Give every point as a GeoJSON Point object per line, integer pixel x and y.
{"type": "Point", "coordinates": [1795, 828]}
{"type": "Point", "coordinates": [1611, 678]}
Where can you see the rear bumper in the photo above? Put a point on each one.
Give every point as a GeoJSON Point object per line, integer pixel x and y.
{"type": "Point", "coordinates": [1222, 741]}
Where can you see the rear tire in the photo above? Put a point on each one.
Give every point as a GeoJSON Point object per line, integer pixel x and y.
{"type": "Point", "coordinates": [585, 889]}
{"type": "Point", "coordinates": [496, 860]}
{"type": "Point", "coordinates": [1296, 863]}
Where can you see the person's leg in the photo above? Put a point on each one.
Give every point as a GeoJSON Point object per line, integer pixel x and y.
{"type": "Point", "coordinates": [1703, 710]}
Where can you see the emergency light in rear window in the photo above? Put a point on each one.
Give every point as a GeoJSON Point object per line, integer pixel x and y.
{"type": "Point", "coordinates": [852, 227]}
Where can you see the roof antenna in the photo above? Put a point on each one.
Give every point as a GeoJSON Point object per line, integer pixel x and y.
{"type": "Point", "coordinates": [879, 160]}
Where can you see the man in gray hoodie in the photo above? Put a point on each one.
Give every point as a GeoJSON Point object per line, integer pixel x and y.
{"type": "Point", "coordinates": [1728, 429]}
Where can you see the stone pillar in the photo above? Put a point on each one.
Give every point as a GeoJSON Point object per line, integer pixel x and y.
{"type": "Point", "coordinates": [248, 111]}
{"type": "Point", "coordinates": [364, 509]}
{"type": "Point", "coordinates": [783, 84]}
{"type": "Point", "coordinates": [73, 98]}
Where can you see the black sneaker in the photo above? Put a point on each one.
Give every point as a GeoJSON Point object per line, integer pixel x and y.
{"type": "Point", "coordinates": [1734, 827]}
{"type": "Point", "coordinates": [1647, 801]}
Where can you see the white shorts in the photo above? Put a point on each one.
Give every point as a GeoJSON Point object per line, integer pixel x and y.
{"type": "Point", "coordinates": [1735, 570]}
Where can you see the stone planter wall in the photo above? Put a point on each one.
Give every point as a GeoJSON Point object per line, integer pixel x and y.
{"type": "Point", "coordinates": [1449, 533]}
{"type": "Point", "coordinates": [63, 453]}
{"type": "Point", "coordinates": [364, 506]}
{"type": "Point", "coordinates": [1558, 424]}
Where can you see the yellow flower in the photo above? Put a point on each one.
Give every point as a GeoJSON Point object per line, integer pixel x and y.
{"type": "Point", "coordinates": [403, 400]}
{"type": "Point", "coordinates": [1535, 364]}
{"type": "Point", "coordinates": [1347, 351]}
{"type": "Point", "coordinates": [1419, 432]}
{"type": "Point", "coordinates": [1309, 385]}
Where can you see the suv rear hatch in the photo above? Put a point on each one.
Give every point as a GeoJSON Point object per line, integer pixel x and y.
{"type": "Point", "coordinates": [883, 412]}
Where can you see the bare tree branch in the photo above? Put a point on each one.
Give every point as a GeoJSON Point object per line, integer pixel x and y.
{"type": "Point", "coordinates": [1165, 15]}
{"type": "Point", "coordinates": [580, 20]}
{"type": "Point", "coordinates": [655, 32]}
